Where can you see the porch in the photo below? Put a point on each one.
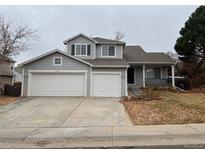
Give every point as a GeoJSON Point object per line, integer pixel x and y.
{"type": "Point", "coordinates": [150, 75]}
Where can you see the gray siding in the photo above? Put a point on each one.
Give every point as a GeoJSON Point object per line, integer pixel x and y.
{"type": "Point", "coordinates": [46, 63]}
{"type": "Point", "coordinates": [157, 82]}
{"type": "Point", "coordinates": [119, 52]}
{"type": "Point", "coordinates": [123, 72]}
{"type": "Point", "coordinates": [82, 40]}
{"type": "Point", "coordinates": [137, 78]}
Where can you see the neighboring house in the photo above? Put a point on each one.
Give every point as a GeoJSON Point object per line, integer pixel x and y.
{"type": "Point", "coordinates": [94, 67]}
{"type": "Point", "coordinates": [6, 72]}
{"type": "Point", "coordinates": [17, 74]}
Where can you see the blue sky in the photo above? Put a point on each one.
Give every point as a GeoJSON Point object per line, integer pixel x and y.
{"type": "Point", "coordinates": [154, 28]}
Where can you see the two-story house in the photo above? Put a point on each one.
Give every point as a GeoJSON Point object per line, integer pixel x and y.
{"type": "Point", "coordinates": [96, 67]}
{"type": "Point", "coordinates": [6, 72]}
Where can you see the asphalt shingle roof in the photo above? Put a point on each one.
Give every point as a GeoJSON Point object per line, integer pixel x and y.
{"type": "Point", "coordinates": [107, 41]}
{"type": "Point", "coordinates": [138, 55]}
{"type": "Point", "coordinates": [107, 62]}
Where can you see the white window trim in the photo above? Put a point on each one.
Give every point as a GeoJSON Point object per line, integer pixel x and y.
{"type": "Point", "coordinates": [86, 49]}
{"type": "Point", "coordinates": [121, 51]}
{"type": "Point", "coordinates": [146, 73]}
{"type": "Point", "coordinates": [153, 73]}
{"type": "Point", "coordinates": [57, 64]}
{"type": "Point", "coordinates": [108, 56]}
{"type": "Point", "coordinates": [161, 72]}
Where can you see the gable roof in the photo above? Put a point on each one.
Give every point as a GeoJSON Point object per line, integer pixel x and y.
{"type": "Point", "coordinates": [135, 54]}
{"type": "Point", "coordinates": [53, 51]}
{"type": "Point", "coordinates": [98, 40]}
{"type": "Point", "coordinates": [107, 41]}
{"type": "Point", "coordinates": [108, 62]}
{"type": "Point", "coordinates": [80, 34]}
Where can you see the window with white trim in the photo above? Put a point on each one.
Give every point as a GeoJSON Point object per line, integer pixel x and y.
{"type": "Point", "coordinates": [108, 50]}
{"type": "Point", "coordinates": [81, 49]}
{"type": "Point", "coordinates": [57, 61]}
{"type": "Point", "coordinates": [153, 73]}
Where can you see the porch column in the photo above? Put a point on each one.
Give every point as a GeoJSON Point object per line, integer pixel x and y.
{"type": "Point", "coordinates": [22, 83]}
{"type": "Point", "coordinates": [173, 79]}
{"type": "Point", "coordinates": [143, 75]}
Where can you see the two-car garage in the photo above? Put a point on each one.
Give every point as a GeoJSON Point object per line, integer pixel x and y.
{"type": "Point", "coordinates": [57, 84]}
{"type": "Point", "coordinates": [74, 84]}
{"type": "Point", "coordinates": [73, 77]}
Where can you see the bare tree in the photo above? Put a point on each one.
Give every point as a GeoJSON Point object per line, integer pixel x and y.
{"type": "Point", "coordinates": [14, 38]}
{"type": "Point", "coordinates": [173, 55]}
{"type": "Point", "coordinates": [119, 36]}
{"type": "Point", "coordinates": [91, 35]}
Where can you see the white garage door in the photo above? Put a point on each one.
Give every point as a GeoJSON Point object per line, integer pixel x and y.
{"type": "Point", "coordinates": [107, 85]}
{"type": "Point", "coordinates": [57, 85]}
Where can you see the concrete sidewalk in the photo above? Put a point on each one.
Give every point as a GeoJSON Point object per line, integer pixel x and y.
{"type": "Point", "coordinates": [184, 136]}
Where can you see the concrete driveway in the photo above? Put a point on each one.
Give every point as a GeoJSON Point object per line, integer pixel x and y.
{"type": "Point", "coordinates": [63, 112]}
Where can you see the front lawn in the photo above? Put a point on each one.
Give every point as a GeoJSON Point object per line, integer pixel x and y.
{"type": "Point", "coordinates": [6, 100]}
{"type": "Point", "coordinates": [172, 108]}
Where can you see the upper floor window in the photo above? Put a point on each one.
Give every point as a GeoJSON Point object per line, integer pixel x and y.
{"type": "Point", "coordinates": [108, 51]}
{"type": "Point", "coordinates": [57, 61]}
{"type": "Point", "coordinates": [80, 50]}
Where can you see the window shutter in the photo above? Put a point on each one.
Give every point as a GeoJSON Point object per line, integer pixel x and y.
{"type": "Point", "coordinates": [73, 50]}
{"type": "Point", "coordinates": [88, 50]}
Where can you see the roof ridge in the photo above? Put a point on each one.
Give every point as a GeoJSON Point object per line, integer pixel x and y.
{"type": "Point", "coordinates": [103, 38]}
{"type": "Point", "coordinates": [51, 52]}
{"type": "Point", "coordinates": [107, 39]}
{"type": "Point", "coordinates": [133, 46]}
{"type": "Point", "coordinates": [77, 35]}
{"type": "Point", "coordinates": [155, 51]}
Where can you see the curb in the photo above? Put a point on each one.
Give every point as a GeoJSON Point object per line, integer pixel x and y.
{"type": "Point", "coordinates": [138, 141]}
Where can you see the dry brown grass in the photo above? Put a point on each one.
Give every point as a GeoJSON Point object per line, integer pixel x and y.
{"type": "Point", "coordinates": [6, 100]}
{"type": "Point", "coordinates": [173, 108]}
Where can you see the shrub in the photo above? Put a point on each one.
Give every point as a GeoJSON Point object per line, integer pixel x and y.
{"type": "Point", "coordinates": [197, 81]}
{"type": "Point", "coordinates": [149, 93]}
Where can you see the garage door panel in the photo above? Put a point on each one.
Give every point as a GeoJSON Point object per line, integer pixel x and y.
{"type": "Point", "coordinates": [57, 85]}
{"type": "Point", "coordinates": [107, 85]}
